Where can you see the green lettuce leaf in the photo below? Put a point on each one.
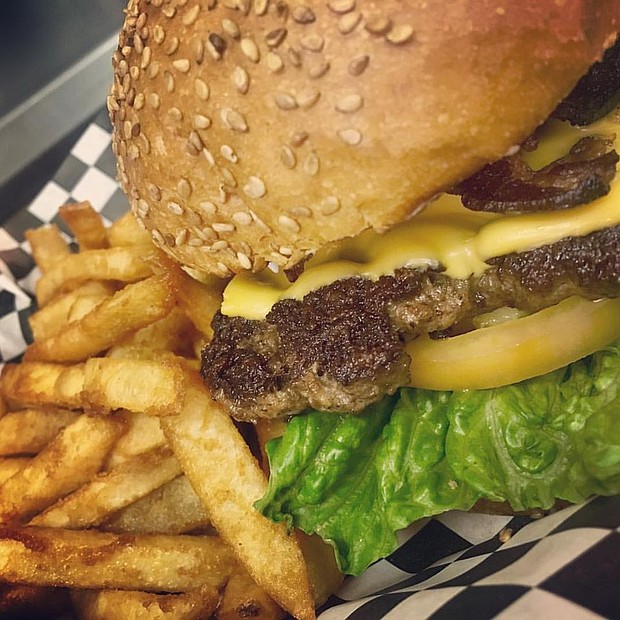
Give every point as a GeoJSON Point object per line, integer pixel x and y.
{"type": "Point", "coordinates": [357, 479]}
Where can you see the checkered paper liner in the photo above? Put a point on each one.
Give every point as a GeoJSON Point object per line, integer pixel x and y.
{"type": "Point", "coordinates": [458, 565]}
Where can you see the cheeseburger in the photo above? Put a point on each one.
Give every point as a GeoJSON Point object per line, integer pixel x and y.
{"type": "Point", "coordinates": [416, 208]}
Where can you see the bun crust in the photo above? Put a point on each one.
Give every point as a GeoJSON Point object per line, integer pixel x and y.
{"type": "Point", "coordinates": [250, 131]}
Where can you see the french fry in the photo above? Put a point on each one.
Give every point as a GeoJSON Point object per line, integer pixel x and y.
{"type": "Point", "coordinates": [91, 559]}
{"type": "Point", "coordinates": [115, 604]}
{"type": "Point", "coordinates": [149, 386]}
{"type": "Point", "coordinates": [112, 490]}
{"type": "Point", "coordinates": [174, 508]}
{"type": "Point", "coordinates": [47, 246]}
{"type": "Point", "coordinates": [97, 385]}
{"type": "Point", "coordinates": [242, 598]}
{"type": "Point", "coordinates": [10, 466]}
{"type": "Point", "coordinates": [126, 264]}
{"type": "Point", "coordinates": [210, 448]}
{"type": "Point", "coordinates": [143, 434]}
{"type": "Point", "coordinates": [199, 300]}
{"type": "Point", "coordinates": [126, 231]}
{"type": "Point", "coordinates": [85, 224]}
{"type": "Point", "coordinates": [114, 319]}
{"type": "Point", "coordinates": [28, 431]}
{"type": "Point", "coordinates": [71, 306]}
{"type": "Point", "coordinates": [68, 462]}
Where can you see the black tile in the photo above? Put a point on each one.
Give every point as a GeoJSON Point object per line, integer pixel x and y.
{"type": "Point", "coordinates": [494, 563]}
{"type": "Point", "coordinates": [378, 607]}
{"type": "Point", "coordinates": [600, 512]}
{"type": "Point", "coordinates": [116, 206]}
{"type": "Point", "coordinates": [107, 162]}
{"type": "Point", "coordinates": [591, 580]}
{"type": "Point", "coordinates": [70, 172]}
{"type": "Point", "coordinates": [19, 262]}
{"type": "Point", "coordinates": [479, 602]}
{"type": "Point", "coordinates": [414, 580]}
{"type": "Point", "coordinates": [433, 542]}
{"type": "Point", "coordinates": [7, 303]}
{"type": "Point", "coordinates": [20, 222]}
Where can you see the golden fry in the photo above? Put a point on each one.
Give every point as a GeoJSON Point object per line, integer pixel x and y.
{"type": "Point", "coordinates": [143, 434]}
{"type": "Point", "coordinates": [123, 264]}
{"type": "Point", "coordinates": [28, 431]}
{"type": "Point", "coordinates": [68, 462]}
{"type": "Point", "coordinates": [71, 306]}
{"type": "Point", "coordinates": [243, 598]}
{"type": "Point", "coordinates": [10, 466]}
{"type": "Point", "coordinates": [174, 508]}
{"type": "Point", "coordinates": [85, 224]}
{"type": "Point", "coordinates": [127, 232]}
{"type": "Point", "coordinates": [210, 449]}
{"type": "Point", "coordinates": [47, 246]}
{"type": "Point", "coordinates": [91, 559]}
{"type": "Point", "coordinates": [130, 309]}
{"type": "Point", "coordinates": [112, 490]}
{"type": "Point", "coordinates": [115, 604]}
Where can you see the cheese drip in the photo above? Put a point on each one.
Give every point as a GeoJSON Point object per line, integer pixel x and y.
{"type": "Point", "coordinates": [445, 235]}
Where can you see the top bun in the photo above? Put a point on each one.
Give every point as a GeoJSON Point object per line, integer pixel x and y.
{"type": "Point", "coordinates": [250, 131]}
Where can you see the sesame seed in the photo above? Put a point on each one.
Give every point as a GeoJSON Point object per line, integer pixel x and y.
{"type": "Point", "coordinates": [300, 211]}
{"type": "Point", "coordinates": [244, 6]}
{"type": "Point", "coordinates": [195, 140]}
{"type": "Point", "coordinates": [505, 535]}
{"type": "Point", "coordinates": [154, 192]}
{"type": "Point", "coordinates": [294, 57]}
{"type": "Point", "coordinates": [146, 58]}
{"type": "Point", "coordinates": [348, 22]}
{"type": "Point", "coordinates": [223, 227]}
{"type": "Point", "coordinates": [208, 207]}
{"type": "Point", "coordinates": [157, 237]}
{"type": "Point", "coordinates": [175, 208]}
{"type": "Point", "coordinates": [133, 151]}
{"type": "Point", "coordinates": [190, 17]}
{"type": "Point", "coordinates": [201, 122]}
{"type": "Point", "coordinates": [201, 89]}
{"type": "Point", "coordinates": [208, 156]}
{"type": "Point", "coordinates": [172, 46]}
{"type": "Point", "coordinates": [378, 26]}
{"type": "Point", "coordinates": [275, 37]}
{"type": "Point", "coordinates": [127, 129]}
{"type": "Point", "coordinates": [308, 97]}
{"type": "Point", "coordinates": [143, 208]}
{"type": "Point", "coordinates": [184, 188]}
{"type": "Point", "coordinates": [400, 34]}
{"type": "Point", "coordinates": [250, 49]}
{"type": "Point", "coordinates": [181, 64]}
{"type": "Point", "coordinates": [138, 44]}
{"type": "Point", "coordinates": [146, 145]}
{"type": "Point", "coordinates": [153, 69]}
{"type": "Point", "coordinates": [285, 251]}
{"type": "Point", "coordinates": [318, 70]}
{"type": "Point", "coordinates": [313, 42]}
{"type": "Point", "coordinates": [244, 260]}
{"type": "Point", "coordinates": [218, 44]}
{"type": "Point", "coordinates": [181, 237]}
{"type": "Point", "coordinates": [311, 164]}
{"type": "Point", "coordinates": [349, 103]}
{"type": "Point", "coordinates": [241, 80]}
{"type": "Point", "coordinates": [220, 244]}
{"type": "Point", "coordinates": [341, 6]}
{"type": "Point", "coordinates": [229, 178]}
{"type": "Point", "coordinates": [255, 187]}
{"type": "Point", "coordinates": [287, 157]}
{"type": "Point", "coordinates": [195, 242]}
{"type": "Point", "coordinates": [228, 153]}
{"type": "Point", "coordinates": [261, 6]}
{"type": "Point", "coordinates": [169, 11]}
{"type": "Point", "coordinates": [289, 223]}
{"type": "Point", "coordinates": [274, 62]}
{"type": "Point", "coordinates": [153, 100]}
{"type": "Point", "coordinates": [285, 101]}
{"type": "Point", "coordinates": [175, 114]}
{"type": "Point", "coordinates": [231, 28]}
{"type": "Point", "coordinates": [298, 138]}
{"type": "Point", "coordinates": [242, 217]}
{"type": "Point", "coordinates": [358, 65]}
{"type": "Point", "coordinates": [330, 205]}
{"type": "Point", "coordinates": [169, 81]}
{"type": "Point", "coordinates": [198, 48]}
{"type": "Point", "coordinates": [159, 34]}
{"type": "Point", "coordinates": [303, 15]}
{"type": "Point", "coordinates": [351, 137]}
{"type": "Point", "coordinates": [141, 21]}
{"type": "Point", "coordinates": [234, 120]}
{"type": "Point", "coordinates": [134, 72]}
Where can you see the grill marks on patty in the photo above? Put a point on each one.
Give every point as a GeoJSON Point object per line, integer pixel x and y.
{"type": "Point", "coordinates": [343, 346]}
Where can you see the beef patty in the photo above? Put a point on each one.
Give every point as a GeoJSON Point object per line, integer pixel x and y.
{"type": "Point", "coordinates": [343, 345]}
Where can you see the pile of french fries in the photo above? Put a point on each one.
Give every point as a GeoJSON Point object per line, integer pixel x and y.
{"type": "Point", "coordinates": [125, 491]}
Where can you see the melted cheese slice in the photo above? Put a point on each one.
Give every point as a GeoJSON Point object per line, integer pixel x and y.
{"type": "Point", "coordinates": [445, 235]}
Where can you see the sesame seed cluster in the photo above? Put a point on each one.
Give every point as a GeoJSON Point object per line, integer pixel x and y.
{"type": "Point", "coordinates": [257, 131]}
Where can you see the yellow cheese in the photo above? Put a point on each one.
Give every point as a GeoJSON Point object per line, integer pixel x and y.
{"type": "Point", "coordinates": [445, 235]}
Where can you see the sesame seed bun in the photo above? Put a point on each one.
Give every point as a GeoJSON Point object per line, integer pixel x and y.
{"type": "Point", "coordinates": [256, 131]}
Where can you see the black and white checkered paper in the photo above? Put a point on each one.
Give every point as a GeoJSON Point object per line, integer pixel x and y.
{"type": "Point", "coordinates": [458, 565]}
